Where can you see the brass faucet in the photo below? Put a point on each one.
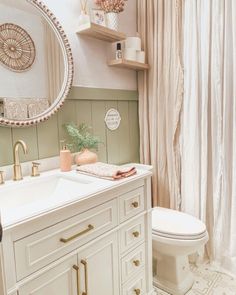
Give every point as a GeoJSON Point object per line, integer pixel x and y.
{"type": "Point", "coordinates": [17, 167]}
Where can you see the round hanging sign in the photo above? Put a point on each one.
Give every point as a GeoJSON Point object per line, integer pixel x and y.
{"type": "Point", "coordinates": [112, 119]}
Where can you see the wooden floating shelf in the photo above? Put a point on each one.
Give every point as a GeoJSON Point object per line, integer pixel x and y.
{"type": "Point", "coordinates": [101, 33]}
{"type": "Point", "coordinates": [128, 64]}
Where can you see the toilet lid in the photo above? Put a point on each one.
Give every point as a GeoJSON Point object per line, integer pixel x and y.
{"type": "Point", "coordinates": [174, 223]}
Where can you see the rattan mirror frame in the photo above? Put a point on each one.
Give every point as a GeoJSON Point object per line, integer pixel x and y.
{"type": "Point", "coordinates": [69, 70]}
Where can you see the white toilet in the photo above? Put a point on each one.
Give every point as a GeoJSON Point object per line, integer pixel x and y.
{"type": "Point", "coordinates": [175, 235]}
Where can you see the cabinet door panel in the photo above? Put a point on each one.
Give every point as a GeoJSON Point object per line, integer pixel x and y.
{"type": "Point", "coordinates": [38, 250]}
{"type": "Point", "coordinates": [99, 264]}
{"type": "Point", "coordinates": [59, 280]}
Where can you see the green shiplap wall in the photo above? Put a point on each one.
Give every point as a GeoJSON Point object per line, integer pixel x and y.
{"type": "Point", "coordinates": [82, 105]}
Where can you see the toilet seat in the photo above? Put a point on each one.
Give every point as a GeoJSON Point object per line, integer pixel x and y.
{"type": "Point", "coordinates": [177, 237]}
{"type": "Point", "coordinates": [176, 225]}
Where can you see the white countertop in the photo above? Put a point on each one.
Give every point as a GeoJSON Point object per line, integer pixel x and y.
{"type": "Point", "coordinates": [37, 201]}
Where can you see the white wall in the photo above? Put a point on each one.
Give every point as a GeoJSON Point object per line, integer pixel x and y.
{"type": "Point", "coordinates": [26, 84]}
{"type": "Point", "coordinates": [90, 55]}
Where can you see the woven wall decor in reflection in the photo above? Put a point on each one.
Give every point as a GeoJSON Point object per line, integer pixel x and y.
{"type": "Point", "coordinates": [17, 49]}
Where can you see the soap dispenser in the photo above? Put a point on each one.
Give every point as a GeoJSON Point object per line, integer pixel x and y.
{"type": "Point", "coordinates": [65, 157]}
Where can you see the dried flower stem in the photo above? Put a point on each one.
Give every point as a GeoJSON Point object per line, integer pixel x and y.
{"type": "Point", "coordinates": [111, 5]}
{"type": "Point", "coordinates": [83, 4]}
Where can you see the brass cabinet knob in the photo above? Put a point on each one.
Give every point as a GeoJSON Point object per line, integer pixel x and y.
{"type": "Point", "coordinates": [137, 291]}
{"type": "Point", "coordinates": [136, 262]}
{"type": "Point", "coordinates": [2, 177]}
{"type": "Point", "coordinates": [135, 204]}
{"type": "Point", "coordinates": [35, 169]}
{"type": "Point", "coordinates": [136, 234]}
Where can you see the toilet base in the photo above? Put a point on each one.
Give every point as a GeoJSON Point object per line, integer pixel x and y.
{"type": "Point", "coordinates": [172, 274]}
{"type": "Point", "coordinates": [174, 290]}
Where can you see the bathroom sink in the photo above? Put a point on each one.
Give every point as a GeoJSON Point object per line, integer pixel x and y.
{"type": "Point", "coordinates": [33, 195]}
{"type": "Point", "coordinates": [54, 189]}
{"type": "Point", "coordinates": [20, 200]}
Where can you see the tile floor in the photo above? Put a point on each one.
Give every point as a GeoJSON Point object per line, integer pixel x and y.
{"type": "Point", "coordinates": [210, 282]}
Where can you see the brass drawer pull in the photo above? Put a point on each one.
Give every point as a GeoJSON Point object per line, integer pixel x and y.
{"type": "Point", "coordinates": [135, 204]}
{"type": "Point", "coordinates": [84, 262]}
{"type": "Point", "coordinates": [137, 291]}
{"type": "Point", "coordinates": [90, 227]}
{"type": "Point", "coordinates": [136, 234]}
{"type": "Point", "coordinates": [136, 262]}
{"type": "Point", "coordinates": [77, 278]}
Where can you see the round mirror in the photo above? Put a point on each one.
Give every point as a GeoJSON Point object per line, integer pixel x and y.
{"type": "Point", "coordinates": [36, 66]}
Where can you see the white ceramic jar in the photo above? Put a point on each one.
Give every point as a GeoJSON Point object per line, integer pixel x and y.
{"type": "Point", "coordinates": [112, 20]}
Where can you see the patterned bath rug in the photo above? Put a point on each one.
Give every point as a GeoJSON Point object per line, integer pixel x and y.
{"type": "Point", "coordinates": [209, 282]}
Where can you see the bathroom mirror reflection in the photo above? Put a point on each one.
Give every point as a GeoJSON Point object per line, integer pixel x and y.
{"type": "Point", "coordinates": [35, 63]}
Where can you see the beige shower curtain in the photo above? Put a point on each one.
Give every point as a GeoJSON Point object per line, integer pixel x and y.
{"type": "Point", "coordinates": [195, 161]}
{"type": "Point", "coordinates": [160, 96]}
{"type": "Point", "coordinates": [209, 123]}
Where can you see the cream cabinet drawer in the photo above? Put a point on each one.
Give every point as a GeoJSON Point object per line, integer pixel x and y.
{"type": "Point", "coordinates": [136, 286]}
{"type": "Point", "coordinates": [132, 234]}
{"type": "Point", "coordinates": [133, 262]}
{"type": "Point", "coordinates": [131, 204]}
{"type": "Point", "coordinates": [41, 248]}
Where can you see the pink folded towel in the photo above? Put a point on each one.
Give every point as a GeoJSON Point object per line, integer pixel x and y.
{"type": "Point", "coordinates": [107, 171]}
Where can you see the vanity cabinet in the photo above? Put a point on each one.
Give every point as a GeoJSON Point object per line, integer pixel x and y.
{"type": "Point", "coordinates": [101, 244]}
{"type": "Point", "coordinates": [59, 280]}
{"type": "Point", "coordinates": [95, 268]}
{"type": "Point", "coordinates": [39, 249]}
{"type": "Point", "coordinates": [98, 267]}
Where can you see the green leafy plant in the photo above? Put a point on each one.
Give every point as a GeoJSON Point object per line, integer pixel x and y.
{"type": "Point", "coordinates": [81, 137]}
